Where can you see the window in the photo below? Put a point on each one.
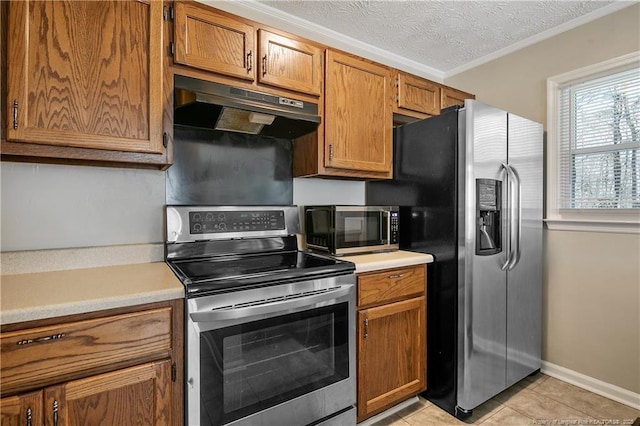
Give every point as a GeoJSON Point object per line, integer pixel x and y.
{"type": "Point", "coordinates": [594, 147]}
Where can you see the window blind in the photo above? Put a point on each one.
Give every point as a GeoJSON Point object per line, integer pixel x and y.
{"type": "Point", "coordinates": [599, 142]}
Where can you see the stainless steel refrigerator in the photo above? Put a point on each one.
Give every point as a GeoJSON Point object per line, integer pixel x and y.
{"type": "Point", "coordinates": [469, 183]}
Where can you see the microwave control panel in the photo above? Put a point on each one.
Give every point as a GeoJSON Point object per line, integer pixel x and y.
{"type": "Point", "coordinates": [394, 227]}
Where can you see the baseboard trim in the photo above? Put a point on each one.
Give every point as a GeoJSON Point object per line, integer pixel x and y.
{"type": "Point", "coordinates": [591, 384]}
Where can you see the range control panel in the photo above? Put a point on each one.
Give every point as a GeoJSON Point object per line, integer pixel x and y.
{"type": "Point", "coordinates": [212, 222]}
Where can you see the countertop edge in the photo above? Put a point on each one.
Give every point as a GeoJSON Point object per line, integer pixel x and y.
{"type": "Point", "coordinates": [53, 311]}
{"type": "Point", "coordinates": [380, 261]}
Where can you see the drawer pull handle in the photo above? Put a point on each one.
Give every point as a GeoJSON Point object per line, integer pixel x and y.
{"type": "Point", "coordinates": [394, 276]}
{"type": "Point", "coordinates": [366, 328]}
{"type": "Point", "coordinates": [15, 114]}
{"type": "Point", "coordinates": [41, 339]}
{"type": "Point", "coordinates": [249, 61]}
{"type": "Point", "coordinates": [29, 416]}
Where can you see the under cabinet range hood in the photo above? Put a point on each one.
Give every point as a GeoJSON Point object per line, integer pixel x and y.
{"type": "Point", "coordinates": [217, 106]}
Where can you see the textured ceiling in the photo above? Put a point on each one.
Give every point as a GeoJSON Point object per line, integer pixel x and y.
{"type": "Point", "coordinates": [443, 35]}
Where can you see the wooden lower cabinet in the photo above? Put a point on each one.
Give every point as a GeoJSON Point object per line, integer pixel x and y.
{"type": "Point", "coordinates": [21, 410]}
{"type": "Point", "coordinates": [391, 343]}
{"type": "Point", "coordinates": [120, 367]}
{"type": "Point", "coordinates": [138, 395]}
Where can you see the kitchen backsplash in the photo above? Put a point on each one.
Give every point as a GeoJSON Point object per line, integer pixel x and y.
{"type": "Point", "coordinates": [59, 207]}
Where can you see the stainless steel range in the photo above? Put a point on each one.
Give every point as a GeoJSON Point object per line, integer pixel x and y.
{"type": "Point", "coordinates": [270, 330]}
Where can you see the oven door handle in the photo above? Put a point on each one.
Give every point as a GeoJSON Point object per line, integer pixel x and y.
{"type": "Point", "coordinates": [261, 308]}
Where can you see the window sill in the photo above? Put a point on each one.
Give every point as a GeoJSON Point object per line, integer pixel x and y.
{"type": "Point", "coordinates": [616, 227]}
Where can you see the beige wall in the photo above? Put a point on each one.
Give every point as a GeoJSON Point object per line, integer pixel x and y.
{"type": "Point", "coordinates": [591, 311]}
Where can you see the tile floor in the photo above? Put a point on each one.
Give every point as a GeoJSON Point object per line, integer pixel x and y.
{"type": "Point", "coordinates": [538, 400]}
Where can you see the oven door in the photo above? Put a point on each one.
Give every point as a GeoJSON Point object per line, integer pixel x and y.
{"type": "Point", "coordinates": [283, 354]}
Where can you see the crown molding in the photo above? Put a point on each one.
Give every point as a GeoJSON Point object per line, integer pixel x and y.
{"type": "Point", "coordinates": [256, 11]}
{"type": "Point", "coordinates": [569, 25]}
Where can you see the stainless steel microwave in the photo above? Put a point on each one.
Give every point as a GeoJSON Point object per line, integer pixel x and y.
{"type": "Point", "coordinates": [342, 230]}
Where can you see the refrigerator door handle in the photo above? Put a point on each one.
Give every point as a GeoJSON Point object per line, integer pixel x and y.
{"type": "Point", "coordinates": [507, 169]}
{"type": "Point", "coordinates": [517, 219]}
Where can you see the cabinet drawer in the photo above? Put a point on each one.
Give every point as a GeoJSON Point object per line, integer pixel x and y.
{"type": "Point", "coordinates": [390, 284]}
{"type": "Point", "coordinates": [43, 355]}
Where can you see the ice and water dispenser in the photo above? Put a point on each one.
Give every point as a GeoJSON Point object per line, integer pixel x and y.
{"type": "Point", "coordinates": [488, 217]}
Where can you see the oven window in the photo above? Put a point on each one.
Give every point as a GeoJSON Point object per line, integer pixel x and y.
{"type": "Point", "coordinates": [250, 367]}
{"type": "Point", "coordinates": [359, 229]}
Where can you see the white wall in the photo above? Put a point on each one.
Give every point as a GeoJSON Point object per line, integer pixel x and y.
{"type": "Point", "coordinates": [53, 206]}
{"type": "Point", "coordinates": [327, 191]}
{"type": "Point", "coordinates": [591, 298]}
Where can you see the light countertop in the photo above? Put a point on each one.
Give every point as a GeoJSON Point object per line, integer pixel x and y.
{"type": "Point", "coordinates": [392, 259]}
{"type": "Point", "coordinates": [33, 296]}
{"type": "Point", "coordinates": [26, 297]}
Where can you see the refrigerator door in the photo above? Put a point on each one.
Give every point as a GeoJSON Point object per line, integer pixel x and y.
{"type": "Point", "coordinates": [524, 276]}
{"type": "Point", "coordinates": [425, 188]}
{"type": "Point", "coordinates": [482, 300]}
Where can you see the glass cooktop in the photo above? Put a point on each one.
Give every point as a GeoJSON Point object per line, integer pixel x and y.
{"type": "Point", "coordinates": [222, 273]}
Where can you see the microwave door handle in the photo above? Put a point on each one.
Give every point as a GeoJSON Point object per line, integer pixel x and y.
{"type": "Point", "coordinates": [386, 220]}
{"type": "Point", "coordinates": [270, 308]}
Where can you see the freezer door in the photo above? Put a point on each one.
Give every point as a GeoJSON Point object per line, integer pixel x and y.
{"type": "Point", "coordinates": [482, 304]}
{"type": "Point", "coordinates": [524, 274]}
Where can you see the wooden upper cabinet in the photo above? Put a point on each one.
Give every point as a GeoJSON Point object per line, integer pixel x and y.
{"type": "Point", "coordinates": [416, 94]}
{"type": "Point", "coordinates": [358, 115]}
{"type": "Point", "coordinates": [452, 97]}
{"type": "Point", "coordinates": [214, 42]}
{"type": "Point", "coordinates": [290, 64]}
{"type": "Point", "coordinates": [85, 74]}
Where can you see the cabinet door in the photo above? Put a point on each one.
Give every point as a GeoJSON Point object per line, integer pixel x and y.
{"type": "Point", "coordinates": [21, 410]}
{"type": "Point", "coordinates": [289, 63]}
{"type": "Point", "coordinates": [138, 395]}
{"type": "Point", "coordinates": [358, 115]}
{"type": "Point", "coordinates": [214, 42]}
{"type": "Point", "coordinates": [417, 94]}
{"type": "Point", "coordinates": [452, 97]}
{"type": "Point", "coordinates": [391, 354]}
{"type": "Point", "coordinates": [86, 74]}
